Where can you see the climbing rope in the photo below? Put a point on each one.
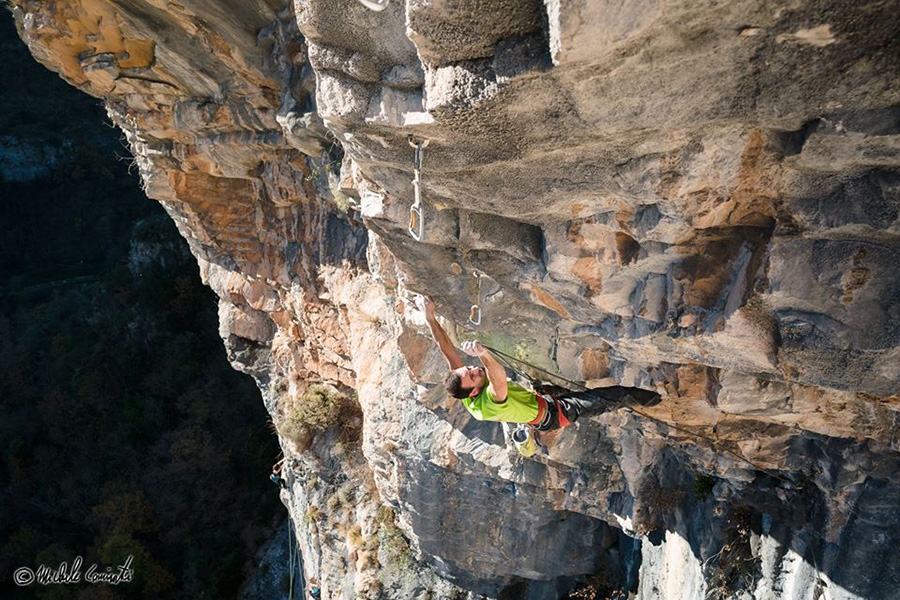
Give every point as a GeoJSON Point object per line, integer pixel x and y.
{"type": "Point", "coordinates": [416, 226]}
{"type": "Point", "coordinates": [293, 561]}
{"type": "Point", "coordinates": [475, 311]}
{"type": "Point", "coordinates": [505, 358]}
{"type": "Point", "coordinates": [290, 563]}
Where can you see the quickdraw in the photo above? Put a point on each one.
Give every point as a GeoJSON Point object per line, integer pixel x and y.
{"type": "Point", "coordinates": [416, 215]}
{"type": "Point", "coordinates": [475, 310]}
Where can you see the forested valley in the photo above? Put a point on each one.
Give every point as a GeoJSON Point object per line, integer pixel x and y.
{"type": "Point", "coordinates": [124, 430]}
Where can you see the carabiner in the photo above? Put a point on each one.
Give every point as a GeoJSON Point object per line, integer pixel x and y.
{"type": "Point", "coordinates": [412, 141]}
{"type": "Point", "coordinates": [376, 5]}
{"type": "Point", "coordinates": [416, 223]}
{"type": "Point", "coordinates": [475, 311]}
{"type": "Point", "coordinates": [416, 226]}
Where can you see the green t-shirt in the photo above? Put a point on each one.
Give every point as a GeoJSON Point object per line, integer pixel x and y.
{"type": "Point", "coordinates": [520, 406]}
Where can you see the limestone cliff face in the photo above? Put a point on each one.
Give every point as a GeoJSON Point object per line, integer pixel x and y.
{"type": "Point", "coordinates": [692, 197]}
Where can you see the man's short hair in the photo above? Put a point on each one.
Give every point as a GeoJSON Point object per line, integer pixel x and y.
{"type": "Point", "coordinates": [453, 383]}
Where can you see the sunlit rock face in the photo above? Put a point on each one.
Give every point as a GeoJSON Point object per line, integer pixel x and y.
{"type": "Point", "coordinates": [696, 198]}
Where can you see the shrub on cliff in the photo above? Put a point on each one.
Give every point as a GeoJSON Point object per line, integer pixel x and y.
{"type": "Point", "coordinates": [313, 412]}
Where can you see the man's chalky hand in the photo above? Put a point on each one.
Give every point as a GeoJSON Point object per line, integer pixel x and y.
{"type": "Point", "coordinates": [425, 304]}
{"type": "Point", "coordinates": [473, 348]}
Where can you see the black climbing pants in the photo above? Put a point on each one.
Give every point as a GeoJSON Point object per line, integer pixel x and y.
{"type": "Point", "coordinates": [595, 401]}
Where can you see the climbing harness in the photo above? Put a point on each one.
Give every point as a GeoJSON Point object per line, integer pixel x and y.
{"type": "Point", "coordinates": [376, 5]}
{"type": "Point", "coordinates": [475, 311]}
{"type": "Point", "coordinates": [416, 215]}
{"type": "Point", "coordinates": [523, 438]}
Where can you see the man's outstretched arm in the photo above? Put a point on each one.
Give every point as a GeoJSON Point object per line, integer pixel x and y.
{"type": "Point", "coordinates": [496, 374]}
{"type": "Point", "coordinates": [437, 332]}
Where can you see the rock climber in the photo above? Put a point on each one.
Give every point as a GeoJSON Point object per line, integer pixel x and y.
{"type": "Point", "coordinates": [315, 591]}
{"type": "Point", "coordinates": [489, 395]}
{"type": "Point", "coordinates": [276, 476]}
